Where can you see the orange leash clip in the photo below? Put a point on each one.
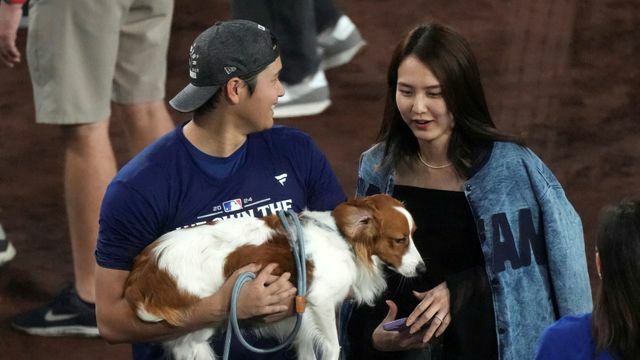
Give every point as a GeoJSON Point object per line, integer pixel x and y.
{"type": "Point", "coordinates": [301, 303]}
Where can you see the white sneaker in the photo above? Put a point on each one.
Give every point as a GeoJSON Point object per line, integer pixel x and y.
{"type": "Point", "coordinates": [337, 45]}
{"type": "Point", "coordinates": [7, 251]}
{"type": "Point", "coordinates": [309, 97]}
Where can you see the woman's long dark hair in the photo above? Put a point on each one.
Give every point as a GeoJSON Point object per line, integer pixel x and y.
{"type": "Point", "coordinates": [616, 316]}
{"type": "Point", "coordinates": [449, 57]}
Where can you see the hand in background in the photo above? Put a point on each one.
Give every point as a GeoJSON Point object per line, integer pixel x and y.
{"type": "Point", "coordinates": [10, 15]}
{"type": "Point", "coordinates": [395, 340]}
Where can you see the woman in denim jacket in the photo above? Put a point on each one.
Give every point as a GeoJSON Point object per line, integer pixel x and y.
{"type": "Point", "coordinates": [504, 247]}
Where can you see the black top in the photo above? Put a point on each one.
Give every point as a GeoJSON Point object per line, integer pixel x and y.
{"type": "Point", "coordinates": [447, 239]}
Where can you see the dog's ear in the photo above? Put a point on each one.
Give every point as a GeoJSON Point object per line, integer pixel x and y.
{"type": "Point", "coordinates": [358, 224]}
{"type": "Point", "coordinates": [356, 220]}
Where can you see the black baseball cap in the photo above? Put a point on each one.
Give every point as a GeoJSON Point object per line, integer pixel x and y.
{"type": "Point", "coordinates": [235, 48]}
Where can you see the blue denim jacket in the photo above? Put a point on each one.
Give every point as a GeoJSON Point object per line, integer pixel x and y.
{"type": "Point", "coordinates": [531, 238]}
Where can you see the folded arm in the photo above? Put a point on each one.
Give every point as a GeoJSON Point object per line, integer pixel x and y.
{"type": "Point", "coordinates": [117, 322]}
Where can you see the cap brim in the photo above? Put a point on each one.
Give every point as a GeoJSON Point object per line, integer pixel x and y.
{"type": "Point", "coordinates": [192, 97]}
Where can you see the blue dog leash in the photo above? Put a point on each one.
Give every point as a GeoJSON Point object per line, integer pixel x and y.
{"type": "Point", "coordinates": [291, 224]}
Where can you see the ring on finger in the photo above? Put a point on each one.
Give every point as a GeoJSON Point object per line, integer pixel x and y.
{"type": "Point", "coordinates": [437, 317]}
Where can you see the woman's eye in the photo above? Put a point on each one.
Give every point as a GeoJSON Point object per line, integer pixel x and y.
{"type": "Point", "coordinates": [434, 94]}
{"type": "Point", "coordinates": [405, 92]}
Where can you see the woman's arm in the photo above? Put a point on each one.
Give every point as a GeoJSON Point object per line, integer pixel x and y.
{"type": "Point", "coordinates": [564, 241]}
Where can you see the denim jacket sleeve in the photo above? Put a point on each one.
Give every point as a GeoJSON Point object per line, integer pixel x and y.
{"type": "Point", "coordinates": [564, 241]}
{"type": "Point", "coordinates": [373, 177]}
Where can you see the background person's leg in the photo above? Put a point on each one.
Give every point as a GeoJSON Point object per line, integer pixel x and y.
{"type": "Point", "coordinates": [338, 38]}
{"type": "Point", "coordinates": [89, 167]}
{"type": "Point", "coordinates": [326, 14]}
{"type": "Point", "coordinates": [71, 73]}
{"type": "Point", "coordinates": [143, 123]}
{"type": "Point", "coordinates": [141, 71]}
{"type": "Point", "coordinates": [293, 23]}
{"type": "Point", "coordinates": [7, 251]}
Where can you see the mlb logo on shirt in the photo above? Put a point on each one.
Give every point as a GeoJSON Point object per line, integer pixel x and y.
{"type": "Point", "coordinates": [232, 205]}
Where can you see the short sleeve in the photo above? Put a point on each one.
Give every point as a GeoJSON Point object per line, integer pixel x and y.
{"type": "Point", "coordinates": [128, 223]}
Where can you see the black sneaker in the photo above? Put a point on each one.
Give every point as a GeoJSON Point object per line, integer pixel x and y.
{"type": "Point", "coordinates": [65, 315]}
{"type": "Point", "coordinates": [7, 251]}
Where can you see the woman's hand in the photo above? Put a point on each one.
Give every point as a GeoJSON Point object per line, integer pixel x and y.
{"type": "Point", "coordinates": [434, 308]}
{"type": "Point", "coordinates": [395, 340]}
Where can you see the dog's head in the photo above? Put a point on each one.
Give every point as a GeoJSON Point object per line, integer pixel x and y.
{"type": "Point", "coordinates": [380, 226]}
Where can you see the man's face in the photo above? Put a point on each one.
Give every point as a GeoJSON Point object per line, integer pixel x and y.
{"type": "Point", "coordinates": [258, 107]}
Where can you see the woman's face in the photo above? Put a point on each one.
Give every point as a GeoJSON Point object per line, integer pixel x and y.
{"type": "Point", "coordinates": [420, 102]}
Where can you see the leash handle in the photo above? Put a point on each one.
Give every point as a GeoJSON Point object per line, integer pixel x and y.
{"type": "Point", "coordinates": [291, 224]}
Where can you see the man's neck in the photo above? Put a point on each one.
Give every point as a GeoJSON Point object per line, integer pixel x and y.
{"type": "Point", "coordinates": [215, 134]}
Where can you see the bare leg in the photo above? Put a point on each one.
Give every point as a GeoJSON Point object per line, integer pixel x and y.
{"type": "Point", "coordinates": [89, 167]}
{"type": "Point", "coordinates": [144, 122]}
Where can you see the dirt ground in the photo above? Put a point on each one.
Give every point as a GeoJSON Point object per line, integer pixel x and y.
{"type": "Point", "coordinates": [562, 74]}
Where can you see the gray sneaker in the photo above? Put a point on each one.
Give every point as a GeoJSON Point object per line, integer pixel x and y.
{"type": "Point", "coordinates": [337, 45]}
{"type": "Point", "coordinates": [309, 97]}
{"type": "Point", "coordinates": [7, 251]}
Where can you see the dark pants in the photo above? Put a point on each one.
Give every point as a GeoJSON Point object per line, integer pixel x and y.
{"type": "Point", "coordinates": [296, 24]}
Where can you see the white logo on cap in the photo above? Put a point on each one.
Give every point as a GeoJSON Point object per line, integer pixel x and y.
{"type": "Point", "coordinates": [262, 28]}
{"type": "Point", "coordinates": [193, 70]}
{"type": "Point", "coordinates": [230, 69]}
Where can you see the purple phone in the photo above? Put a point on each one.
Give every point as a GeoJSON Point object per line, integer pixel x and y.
{"type": "Point", "coordinates": [395, 325]}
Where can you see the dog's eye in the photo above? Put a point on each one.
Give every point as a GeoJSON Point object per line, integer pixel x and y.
{"type": "Point", "coordinates": [400, 241]}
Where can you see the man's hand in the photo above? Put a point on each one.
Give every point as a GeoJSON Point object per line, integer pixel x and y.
{"type": "Point", "coordinates": [267, 294]}
{"type": "Point", "coordinates": [10, 15]}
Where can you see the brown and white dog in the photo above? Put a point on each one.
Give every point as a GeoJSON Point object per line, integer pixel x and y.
{"type": "Point", "coordinates": [346, 250]}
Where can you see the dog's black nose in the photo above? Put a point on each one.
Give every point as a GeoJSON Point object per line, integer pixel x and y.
{"type": "Point", "coordinates": [421, 268]}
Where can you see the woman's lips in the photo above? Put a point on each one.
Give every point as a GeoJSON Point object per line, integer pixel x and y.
{"type": "Point", "coordinates": [421, 124]}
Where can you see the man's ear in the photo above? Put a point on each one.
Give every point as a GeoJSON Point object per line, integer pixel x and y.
{"type": "Point", "coordinates": [233, 90]}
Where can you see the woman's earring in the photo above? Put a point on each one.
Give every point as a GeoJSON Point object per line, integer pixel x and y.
{"type": "Point", "coordinates": [598, 263]}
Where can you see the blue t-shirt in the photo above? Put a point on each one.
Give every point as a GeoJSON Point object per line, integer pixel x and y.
{"type": "Point", "coordinates": [165, 188]}
{"type": "Point", "coordinates": [570, 339]}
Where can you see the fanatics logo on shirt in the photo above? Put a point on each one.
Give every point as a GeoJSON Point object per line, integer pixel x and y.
{"type": "Point", "coordinates": [281, 178]}
{"type": "Point", "coordinates": [232, 205]}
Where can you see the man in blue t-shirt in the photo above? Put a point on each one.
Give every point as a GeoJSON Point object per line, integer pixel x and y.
{"type": "Point", "coordinates": [228, 161]}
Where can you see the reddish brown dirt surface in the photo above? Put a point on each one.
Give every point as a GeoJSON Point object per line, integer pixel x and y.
{"type": "Point", "coordinates": [562, 74]}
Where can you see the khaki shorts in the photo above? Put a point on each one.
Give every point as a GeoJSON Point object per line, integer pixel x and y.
{"type": "Point", "coordinates": [83, 54]}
